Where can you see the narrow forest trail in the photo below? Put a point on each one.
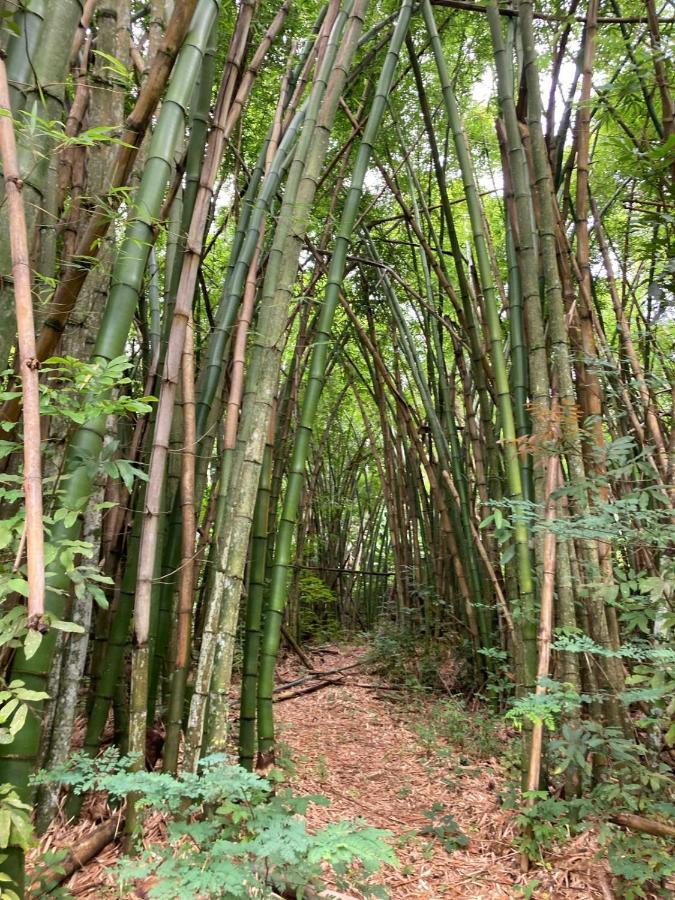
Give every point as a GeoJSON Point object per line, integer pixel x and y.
{"type": "Point", "coordinates": [352, 744]}
{"type": "Point", "coordinates": [356, 744]}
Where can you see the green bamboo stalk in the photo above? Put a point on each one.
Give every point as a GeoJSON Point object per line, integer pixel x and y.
{"type": "Point", "coordinates": [127, 282]}
{"type": "Point", "coordinates": [196, 210]}
{"type": "Point", "coordinates": [254, 611]}
{"type": "Point", "coordinates": [494, 329]}
{"type": "Point", "coordinates": [212, 626]}
{"type": "Point", "coordinates": [21, 50]}
{"type": "Point", "coordinates": [278, 587]}
{"type": "Point", "coordinates": [522, 229]}
{"type": "Point", "coordinates": [225, 118]}
{"type": "Point", "coordinates": [42, 94]}
{"type": "Point", "coordinates": [262, 383]}
{"type": "Point", "coordinates": [481, 371]}
{"type": "Point", "coordinates": [449, 457]}
{"type": "Point", "coordinates": [481, 459]}
{"type": "Point", "coordinates": [450, 452]}
{"type": "Point", "coordinates": [243, 246]}
{"type": "Point", "coordinates": [558, 332]}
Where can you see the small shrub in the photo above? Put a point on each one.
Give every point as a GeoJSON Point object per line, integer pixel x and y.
{"type": "Point", "coordinates": [230, 833]}
{"type": "Point", "coordinates": [451, 727]}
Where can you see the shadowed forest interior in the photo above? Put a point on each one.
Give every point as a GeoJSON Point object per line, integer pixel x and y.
{"type": "Point", "coordinates": [337, 390]}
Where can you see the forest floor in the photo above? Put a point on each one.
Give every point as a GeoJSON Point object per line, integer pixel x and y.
{"type": "Point", "coordinates": [363, 747]}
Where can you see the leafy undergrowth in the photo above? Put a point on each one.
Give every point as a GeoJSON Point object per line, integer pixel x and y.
{"type": "Point", "coordinates": [228, 834]}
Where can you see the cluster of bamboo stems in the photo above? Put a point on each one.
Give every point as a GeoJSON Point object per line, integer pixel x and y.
{"type": "Point", "coordinates": [369, 287]}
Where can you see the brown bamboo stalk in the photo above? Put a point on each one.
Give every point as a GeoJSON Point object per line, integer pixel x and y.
{"type": "Point", "coordinates": [176, 343]}
{"type": "Point", "coordinates": [623, 327]}
{"type": "Point", "coordinates": [82, 28]}
{"type": "Point", "coordinates": [187, 501]}
{"type": "Point", "coordinates": [589, 387]}
{"type": "Point", "coordinates": [661, 73]}
{"type": "Point", "coordinates": [545, 619]}
{"type": "Point", "coordinates": [74, 124]}
{"type": "Point", "coordinates": [75, 270]}
{"type": "Point", "coordinates": [28, 363]}
{"type": "Point", "coordinates": [239, 351]}
{"type": "Point", "coordinates": [225, 118]}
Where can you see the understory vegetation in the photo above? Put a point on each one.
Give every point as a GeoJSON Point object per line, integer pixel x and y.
{"type": "Point", "coordinates": [322, 322]}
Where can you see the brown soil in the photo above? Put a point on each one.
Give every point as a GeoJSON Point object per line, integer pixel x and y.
{"type": "Point", "coordinates": [355, 744]}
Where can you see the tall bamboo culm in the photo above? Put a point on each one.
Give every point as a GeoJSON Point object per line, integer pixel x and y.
{"type": "Point", "coordinates": [284, 539]}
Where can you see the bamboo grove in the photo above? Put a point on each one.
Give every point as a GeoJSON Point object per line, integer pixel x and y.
{"type": "Point", "coordinates": [355, 314]}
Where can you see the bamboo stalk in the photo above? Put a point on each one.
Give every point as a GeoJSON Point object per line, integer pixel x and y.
{"type": "Point", "coordinates": [214, 672]}
{"type": "Point", "coordinates": [19, 758]}
{"type": "Point", "coordinates": [187, 572]}
{"type": "Point", "coordinates": [172, 365]}
{"type": "Point", "coordinates": [75, 271]}
{"type": "Point", "coordinates": [28, 363]}
{"type": "Point", "coordinates": [545, 618]}
{"type": "Point", "coordinates": [494, 329]}
{"type": "Point", "coordinates": [277, 599]}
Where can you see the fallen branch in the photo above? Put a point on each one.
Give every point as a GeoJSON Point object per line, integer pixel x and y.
{"type": "Point", "coordinates": [316, 673]}
{"type": "Point", "coordinates": [78, 856]}
{"type": "Point", "coordinates": [309, 690]}
{"type": "Point", "coordinates": [644, 825]}
{"type": "Point", "coordinates": [379, 687]}
{"type": "Point", "coordinates": [296, 648]}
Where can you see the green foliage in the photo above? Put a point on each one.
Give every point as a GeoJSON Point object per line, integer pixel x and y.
{"type": "Point", "coordinates": [318, 618]}
{"type": "Point", "coordinates": [543, 822]}
{"type": "Point", "coordinates": [87, 390]}
{"type": "Point", "coordinates": [545, 708]}
{"type": "Point", "coordinates": [450, 728]}
{"type": "Point", "coordinates": [405, 658]}
{"type": "Point", "coordinates": [14, 700]}
{"type": "Point", "coordinates": [445, 829]}
{"type": "Point", "coordinates": [641, 863]}
{"type": "Point", "coordinates": [16, 830]}
{"type": "Point", "coordinates": [15, 824]}
{"type": "Point", "coordinates": [633, 780]}
{"type": "Point", "coordinates": [75, 392]}
{"type": "Point", "coordinates": [230, 833]}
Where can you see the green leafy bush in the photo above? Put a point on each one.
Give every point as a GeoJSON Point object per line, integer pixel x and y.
{"type": "Point", "coordinates": [230, 833]}
{"type": "Point", "coordinates": [450, 728]}
{"type": "Point", "coordinates": [633, 779]}
{"type": "Point", "coordinates": [445, 829]}
{"type": "Point", "coordinates": [318, 617]}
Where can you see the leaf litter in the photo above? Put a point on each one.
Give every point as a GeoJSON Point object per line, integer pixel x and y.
{"type": "Point", "coordinates": [354, 742]}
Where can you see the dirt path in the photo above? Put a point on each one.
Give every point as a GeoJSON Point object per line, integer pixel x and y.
{"type": "Point", "coordinates": [357, 747]}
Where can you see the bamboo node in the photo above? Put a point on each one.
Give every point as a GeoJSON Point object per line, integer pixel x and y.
{"type": "Point", "coordinates": [37, 622]}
